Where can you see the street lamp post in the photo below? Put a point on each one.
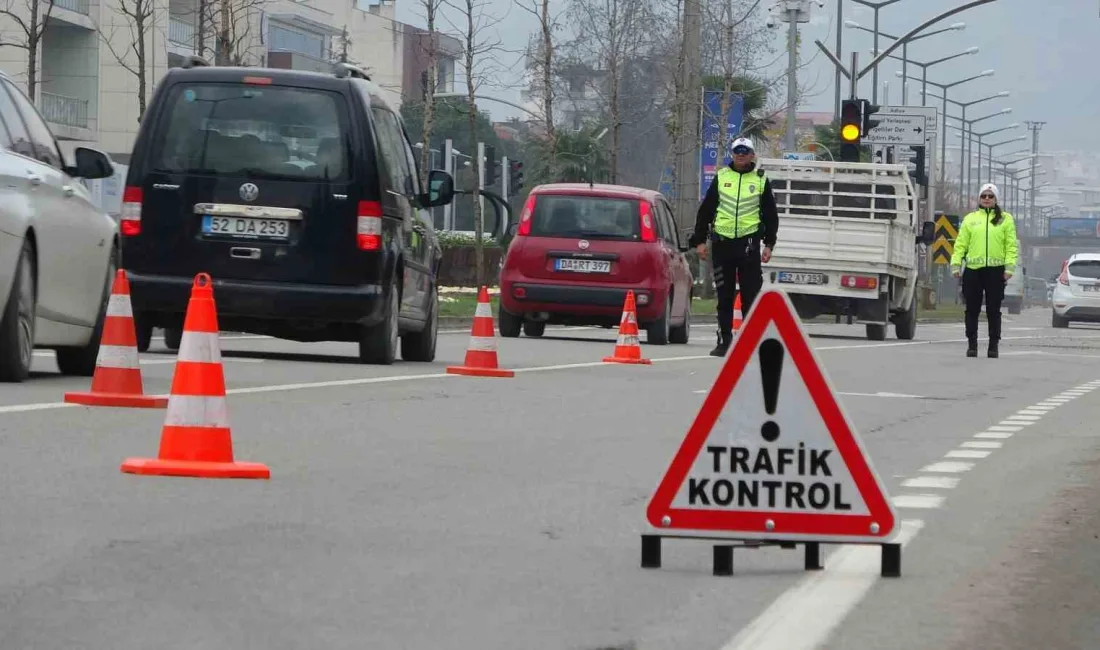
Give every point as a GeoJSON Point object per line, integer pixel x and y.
{"type": "Point", "coordinates": [904, 46]}
{"type": "Point", "coordinates": [964, 106]}
{"type": "Point", "coordinates": [924, 68]}
{"type": "Point", "coordinates": [967, 144]}
{"type": "Point", "coordinates": [980, 137]}
{"type": "Point", "coordinates": [990, 148]}
{"type": "Point", "coordinates": [876, 7]}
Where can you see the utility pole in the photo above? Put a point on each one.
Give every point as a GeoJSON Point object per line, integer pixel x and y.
{"type": "Point", "coordinates": [687, 167]}
{"type": "Point", "coordinates": [794, 12]}
{"type": "Point", "coordinates": [839, 42]}
{"type": "Point", "coordinates": [1031, 221]}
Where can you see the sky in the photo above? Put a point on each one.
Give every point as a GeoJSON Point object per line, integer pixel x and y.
{"type": "Point", "coordinates": [1046, 55]}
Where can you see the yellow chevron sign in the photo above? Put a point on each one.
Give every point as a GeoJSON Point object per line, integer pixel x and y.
{"type": "Point", "coordinates": [943, 246]}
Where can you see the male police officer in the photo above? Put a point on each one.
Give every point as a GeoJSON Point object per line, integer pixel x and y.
{"type": "Point", "coordinates": [739, 208]}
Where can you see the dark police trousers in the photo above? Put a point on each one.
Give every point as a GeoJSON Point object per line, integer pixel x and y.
{"type": "Point", "coordinates": [735, 261]}
{"type": "Point", "coordinates": [990, 282]}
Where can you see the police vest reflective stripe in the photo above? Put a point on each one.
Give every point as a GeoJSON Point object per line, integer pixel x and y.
{"type": "Point", "coordinates": [738, 202]}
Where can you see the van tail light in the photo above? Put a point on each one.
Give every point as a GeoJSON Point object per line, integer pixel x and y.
{"type": "Point", "coordinates": [858, 282]}
{"type": "Point", "coordinates": [369, 227]}
{"type": "Point", "coordinates": [129, 222]}
{"type": "Point", "coordinates": [1063, 278]}
{"type": "Point", "coordinates": [645, 217]}
{"type": "Point", "coordinates": [524, 228]}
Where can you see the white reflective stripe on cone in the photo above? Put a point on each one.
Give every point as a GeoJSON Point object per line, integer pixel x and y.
{"type": "Point", "coordinates": [117, 356]}
{"type": "Point", "coordinates": [197, 411]}
{"type": "Point", "coordinates": [483, 343]}
{"type": "Point", "coordinates": [628, 339]}
{"type": "Point", "coordinates": [119, 305]}
{"type": "Point", "coordinates": [484, 310]}
{"type": "Point", "coordinates": [201, 347]}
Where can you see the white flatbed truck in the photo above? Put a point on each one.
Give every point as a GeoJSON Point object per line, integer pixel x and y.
{"type": "Point", "coordinates": [848, 242]}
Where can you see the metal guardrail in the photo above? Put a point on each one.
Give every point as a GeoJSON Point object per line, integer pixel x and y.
{"type": "Point", "coordinates": [69, 111]}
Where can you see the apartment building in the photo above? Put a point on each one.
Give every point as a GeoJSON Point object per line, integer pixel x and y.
{"type": "Point", "coordinates": [86, 82]}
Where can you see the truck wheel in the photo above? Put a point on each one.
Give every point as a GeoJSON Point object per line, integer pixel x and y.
{"type": "Point", "coordinates": [876, 332]}
{"type": "Point", "coordinates": [905, 327]}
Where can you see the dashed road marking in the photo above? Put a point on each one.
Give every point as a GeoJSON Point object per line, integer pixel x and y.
{"type": "Point", "coordinates": [948, 467]}
{"type": "Point", "coordinates": [978, 444]}
{"type": "Point", "coordinates": [996, 435]}
{"type": "Point", "coordinates": [1001, 427]}
{"type": "Point", "coordinates": [920, 501]}
{"type": "Point", "coordinates": [926, 482]}
{"type": "Point", "coordinates": [966, 453]}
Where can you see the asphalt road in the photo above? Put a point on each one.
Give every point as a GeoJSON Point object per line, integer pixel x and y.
{"type": "Point", "coordinates": [408, 508]}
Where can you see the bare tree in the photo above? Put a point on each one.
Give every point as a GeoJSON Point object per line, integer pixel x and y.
{"type": "Point", "coordinates": [226, 30]}
{"type": "Point", "coordinates": [32, 25]}
{"type": "Point", "coordinates": [477, 57]}
{"type": "Point", "coordinates": [140, 23]}
{"type": "Point", "coordinates": [431, 48]}
{"type": "Point", "coordinates": [543, 53]}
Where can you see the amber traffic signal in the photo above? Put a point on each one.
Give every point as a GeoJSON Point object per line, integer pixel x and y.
{"type": "Point", "coordinates": [851, 121]}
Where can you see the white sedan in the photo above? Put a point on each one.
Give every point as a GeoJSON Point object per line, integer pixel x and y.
{"type": "Point", "coordinates": [58, 249]}
{"type": "Point", "coordinates": [1076, 295]}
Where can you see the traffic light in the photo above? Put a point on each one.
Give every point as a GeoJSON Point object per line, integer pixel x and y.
{"type": "Point", "coordinates": [490, 165]}
{"type": "Point", "coordinates": [850, 129]}
{"type": "Point", "coordinates": [920, 175]}
{"type": "Point", "coordinates": [869, 109]}
{"type": "Point", "coordinates": [516, 176]}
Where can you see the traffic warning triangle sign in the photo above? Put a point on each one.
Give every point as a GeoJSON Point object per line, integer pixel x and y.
{"type": "Point", "coordinates": [772, 454]}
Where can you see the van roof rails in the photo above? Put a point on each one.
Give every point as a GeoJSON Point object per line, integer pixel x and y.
{"type": "Point", "coordinates": [342, 70]}
{"type": "Point", "coordinates": [195, 61]}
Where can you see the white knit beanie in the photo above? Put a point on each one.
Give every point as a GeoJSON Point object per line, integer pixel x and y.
{"type": "Point", "coordinates": [990, 187]}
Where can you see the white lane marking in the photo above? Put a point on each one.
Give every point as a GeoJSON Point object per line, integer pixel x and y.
{"type": "Point", "coordinates": [829, 595]}
{"type": "Point", "coordinates": [948, 467]}
{"type": "Point", "coordinates": [1016, 423]}
{"type": "Point", "coordinates": [165, 362]}
{"type": "Point", "coordinates": [994, 435]}
{"type": "Point", "coordinates": [22, 408]}
{"type": "Point", "coordinates": [883, 394]}
{"type": "Point", "coordinates": [921, 501]}
{"type": "Point", "coordinates": [1001, 427]}
{"type": "Point", "coordinates": [926, 482]}
{"type": "Point", "coordinates": [1032, 412]}
{"type": "Point", "coordinates": [979, 444]}
{"type": "Point", "coordinates": [1039, 409]}
{"type": "Point", "coordinates": [1049, 404]}
{"type": "Point", "coordinates": [1021, 419]}
{"type": "Point", "coordinates": [966, 453]}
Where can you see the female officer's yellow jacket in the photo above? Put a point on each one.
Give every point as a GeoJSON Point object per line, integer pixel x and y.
{"type": "Point", "coordinates": [982, 243]}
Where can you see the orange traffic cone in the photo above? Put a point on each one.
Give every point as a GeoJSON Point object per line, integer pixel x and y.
{"type": "Point", "coordinates": [737, 317]}
{"type": "Point", "coordinates": [481, 353]}
{"type": "Point", "coordinates": [117, 378]}
{"type": "Point", "coordinates": [196, 440]}
{"type": "Point", "coordinates": [627, 349]}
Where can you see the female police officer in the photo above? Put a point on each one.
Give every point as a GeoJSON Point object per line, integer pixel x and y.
{"type": "Point", "coordinates": [987, 244]}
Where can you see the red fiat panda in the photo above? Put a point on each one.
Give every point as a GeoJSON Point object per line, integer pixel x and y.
{"type": "Point", "coordinates": [578, 248]}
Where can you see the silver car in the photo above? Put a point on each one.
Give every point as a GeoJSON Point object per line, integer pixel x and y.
{"type": "Point", "coordinates": [58, 249]}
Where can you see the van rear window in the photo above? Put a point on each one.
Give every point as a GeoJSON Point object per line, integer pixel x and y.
{"type": "Point", "coordinates": [253, 131]}
{"type": "Point", "coordinates": [592, 217]}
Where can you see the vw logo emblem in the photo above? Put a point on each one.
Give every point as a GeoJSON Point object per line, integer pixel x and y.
{"type": "Point", "coordinates": [583, 244]}
{"type": "Point", "coordinates": [249, 191]}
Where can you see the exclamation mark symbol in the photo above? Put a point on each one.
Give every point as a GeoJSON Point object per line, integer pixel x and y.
{"type": "Point", "coordinates": [771, 368]}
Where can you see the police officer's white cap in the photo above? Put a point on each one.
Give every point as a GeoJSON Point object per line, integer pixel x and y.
{"type": "Point", "coordinates": [743, 142]}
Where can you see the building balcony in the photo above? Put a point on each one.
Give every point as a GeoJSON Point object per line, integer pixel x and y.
{"type": "Point", "coordinates": [78, 6]}
{"type": "Point", "coordinates": [181, 36]}
{"type": "Point", "coordinates": [64, 111]}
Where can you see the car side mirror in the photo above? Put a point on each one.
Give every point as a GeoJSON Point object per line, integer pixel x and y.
{"type": "Point", "coordinates": [91, 164]}
{"type": "Point", "coordinates": [441, 189]}
{"type": "Point", "coordinates": [927, 233]}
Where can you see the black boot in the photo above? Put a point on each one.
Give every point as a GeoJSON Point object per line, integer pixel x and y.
{"type": "Point", "coordinates": [724, 341]}
{"type": "Point", "coordinates": [972, 348]}
{"type": "Point", "coordinates": [993, 353]}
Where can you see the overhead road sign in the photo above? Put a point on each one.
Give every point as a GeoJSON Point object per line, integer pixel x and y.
{"type": "Point", "coordinates": [898, 130]}
{"type": "Point", "coordinates": [930, 114]}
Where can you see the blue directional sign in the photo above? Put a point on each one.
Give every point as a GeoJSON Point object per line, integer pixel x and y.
{"type": "Point", "coordinates": [709, 160]}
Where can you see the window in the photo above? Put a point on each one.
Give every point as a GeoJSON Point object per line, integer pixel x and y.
{"type": "Point", "coordinates": [391, 144]}
{"type": "Point", "coordinates": [283, 37]}
{"type": "Point", "coordinates": [18, 141]}
{"type": "Point", "coordinates": [593, 217]}
{"type": "Point", "coordinates": [255, 132]}
{"type": "Point", "coordinates": [42, 145]}
{"type": "Point", "coordinates": [668, 224]}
